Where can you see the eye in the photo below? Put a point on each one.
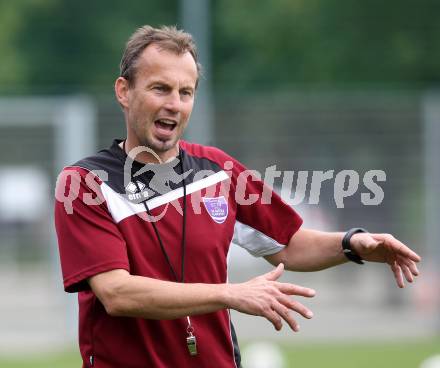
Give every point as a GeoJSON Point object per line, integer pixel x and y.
{"type": "Point", "coordinates": [187, 92]}
{"type": "Point", "coordinates": [159, 88]}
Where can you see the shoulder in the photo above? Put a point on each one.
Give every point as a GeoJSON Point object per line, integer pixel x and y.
{"type": "Point", "coordinates": [104, 166]}
{"type": "Point", "coordinates": [101, 164]}
{"type": "Point", "coordinates": [211, 153]}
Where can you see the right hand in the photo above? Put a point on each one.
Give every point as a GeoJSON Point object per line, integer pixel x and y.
{"type": "Point", "coordinates": [266, 297]}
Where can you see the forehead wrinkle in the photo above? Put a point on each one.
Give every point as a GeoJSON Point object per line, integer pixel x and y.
{"type": "Point", "coordinates": [153, 59]}
{"type": "Point", "coordinates": [159, 80]}
{"type": "Point", "coordinates": [153, 77]}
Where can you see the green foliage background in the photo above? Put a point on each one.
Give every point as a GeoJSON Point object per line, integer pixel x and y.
{"type": "Point", "coordinates": [52, 46]}
{"type": "Point", "coordinates": [329, 42]}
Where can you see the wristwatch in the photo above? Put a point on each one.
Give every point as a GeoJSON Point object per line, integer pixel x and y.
{"type": "Point", "coordinates": [346, 246]}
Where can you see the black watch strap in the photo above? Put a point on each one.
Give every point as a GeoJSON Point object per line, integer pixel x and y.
{"type": "Point", "coordinates": [346, 247]}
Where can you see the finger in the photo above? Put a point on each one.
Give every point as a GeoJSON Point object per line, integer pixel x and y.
{"type": "Point", "coordinates": [285, 314]}
{"type": "Point", "coordinates": [410, 264]}
{"type": "Point", "coordinates": [407, 252]}
{"type": "Point", "coordinates": [292, 289]}
{"type": "Point", "coordinates": [397, 274]}
{"type": "Point", "coordinates": [401, 249]}
{"type": "Point", "coordinates": [275, 273]}
{"type": "Point", "coordinates": [295, 306]}
{"type": "Point", "coordinates": [274, 318]}
{"type": "Point", "coordinates": [407, 273]}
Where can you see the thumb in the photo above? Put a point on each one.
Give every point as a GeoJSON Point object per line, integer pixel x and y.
{"type": "Point", "coordinates": [369, 245]}
{"type": "Point", "coordinates": [275, 273]}
{"type": "Point", "coordinates": [364, 242]}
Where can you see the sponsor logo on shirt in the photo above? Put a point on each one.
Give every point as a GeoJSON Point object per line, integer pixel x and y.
{"type": "Point", "coordinates": [217, 208]}
{"type": "Point", "coordinates": [136, 190]}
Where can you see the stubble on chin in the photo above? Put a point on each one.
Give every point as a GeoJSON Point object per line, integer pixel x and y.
{"type": "Point", "coordinates": [159, 146]}
{"type": "Point", "coordinates": [147, 139]}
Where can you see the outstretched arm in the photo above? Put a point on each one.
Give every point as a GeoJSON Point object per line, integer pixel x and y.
{"type": "Point", "coordinates": [127, 295]}
{"type": "Point", "coordinates": [311, 250]}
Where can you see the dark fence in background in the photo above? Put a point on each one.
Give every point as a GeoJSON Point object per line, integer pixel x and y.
{"type": "Point", "coordinates": [313, 131]}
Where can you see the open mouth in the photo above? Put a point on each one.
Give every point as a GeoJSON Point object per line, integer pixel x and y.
{"type": "Point", "coordinates": [165, 125]}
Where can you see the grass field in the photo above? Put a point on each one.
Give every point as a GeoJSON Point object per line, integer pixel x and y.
{"type": "Point", "coordinates": [338, 355]}
{"type": "Point", "coordinates": [367, 355]}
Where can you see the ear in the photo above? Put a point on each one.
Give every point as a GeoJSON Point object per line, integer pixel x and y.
{"type": "Point", "coordinates": [121, 91]}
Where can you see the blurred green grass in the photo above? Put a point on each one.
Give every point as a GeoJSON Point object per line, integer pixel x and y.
{"type": "Point", "coordinates": [69, 359]}
{"type": "Point", "coordinates": [408, 354]}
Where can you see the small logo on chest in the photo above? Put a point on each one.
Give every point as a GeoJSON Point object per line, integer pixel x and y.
{"type": "Point", "coordinates": [135, 191]}
{"type": "Point", "coordinates": [217, 208]}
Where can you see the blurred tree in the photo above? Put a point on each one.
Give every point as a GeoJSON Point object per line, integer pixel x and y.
{"type": "Point", "coordinates": [68, 46]}
{"type": "Point", "coordinates": [277, 43]}
{"type": "Point", "coordinates": [13, 68]}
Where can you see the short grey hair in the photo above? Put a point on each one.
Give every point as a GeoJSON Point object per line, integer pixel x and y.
{"type": "Point", "coordinates": [166, 37]}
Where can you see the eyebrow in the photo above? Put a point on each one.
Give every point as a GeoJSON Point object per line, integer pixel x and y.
{"type": "Point", "coordinates": [161, 81]}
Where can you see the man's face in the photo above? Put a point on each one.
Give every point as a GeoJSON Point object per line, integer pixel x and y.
{"type": "Point", "coordinates": [159, 103]}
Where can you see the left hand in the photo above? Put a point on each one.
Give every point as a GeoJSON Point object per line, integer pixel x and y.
{"type": "Point", "coordinates": [387, 249]}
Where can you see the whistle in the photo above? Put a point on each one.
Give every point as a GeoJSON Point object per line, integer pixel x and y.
{"type": "Point", "coordinates": [191, 342]}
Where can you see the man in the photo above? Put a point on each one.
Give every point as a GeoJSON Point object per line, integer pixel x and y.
{"type": "Point", "coordinates": [145, 234]}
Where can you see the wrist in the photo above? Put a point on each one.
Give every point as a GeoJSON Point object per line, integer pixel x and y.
{"type": "Point", "coordinates": [347, 249]}
{"type": "Point", "coordinates": [225, 295]}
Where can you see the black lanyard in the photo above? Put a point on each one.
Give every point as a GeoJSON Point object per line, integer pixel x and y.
{"type": "Point", "coordinates": [191, 340]}
{"type": "Point", "coordinates": [156, 230]}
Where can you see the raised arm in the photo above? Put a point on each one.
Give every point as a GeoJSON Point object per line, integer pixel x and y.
{"type": "Point", "coordinates": [311, 250]}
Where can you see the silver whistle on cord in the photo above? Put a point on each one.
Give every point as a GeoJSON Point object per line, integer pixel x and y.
{"type": "Point", "coordinates": [191, 342]}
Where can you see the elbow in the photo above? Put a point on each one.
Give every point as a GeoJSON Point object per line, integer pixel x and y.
{"type": "Point", "coordinates": [112, 299]}
{"type": "Point", "coordinates": [290, 263]}
{"type": "Point", "coordinates": [277, 258]}
{"type": "Point", "coordinates": [113, 307]}
{"type": "Point", "coordinates": [111, 288]}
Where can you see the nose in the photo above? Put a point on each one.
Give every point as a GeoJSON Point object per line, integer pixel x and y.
{"type": "Point", "coordinates": [172, 103]}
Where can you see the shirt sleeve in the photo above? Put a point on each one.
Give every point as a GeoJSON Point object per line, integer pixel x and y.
{"type": "Point", "coordinates": [264, 226]}
{"type": "Point", "coordinates": [89, 241]}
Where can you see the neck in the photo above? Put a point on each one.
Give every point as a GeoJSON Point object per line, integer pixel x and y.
{"type": "Point", "coordinates": [147, 155]}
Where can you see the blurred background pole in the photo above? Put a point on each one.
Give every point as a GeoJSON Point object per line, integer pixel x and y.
{"type": "Point", "coordinates": [431, 118]}
{"type": "Point", "coordinates": [195, 18]}
{"type": "Point", "coordinates": [75, 137]}
{"type": "Point", "coordinates": [75, 130]}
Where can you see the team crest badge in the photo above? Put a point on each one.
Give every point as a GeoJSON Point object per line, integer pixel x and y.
{"type": "Point", "coordinates": [217, 208]}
